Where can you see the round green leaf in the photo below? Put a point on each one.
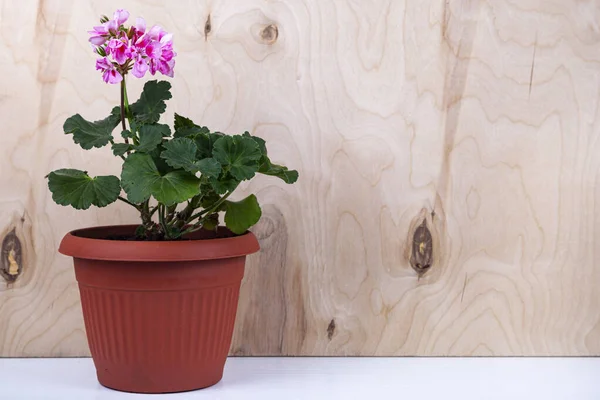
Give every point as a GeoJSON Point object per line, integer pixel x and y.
{"type": "Point", "coordinates": [141, 179]}
{"type": "Point", "coordinates": [208, 166]}
{"type": "Point", "coordinates": [72, 187]}
{"type": "Point", "coordinates": [239, 155]}
{"type": "Point", "coordinates": [180, 153]}
{"type": "Point", "coordinates": [137, 176]}
{"type": "Point", "coordinates": [151, 136]}
{"type": "Point", "coordinates": [241, 215]}
{"type": "Point", "coordinates": [262, 145]}
{"type": "Point", "coordinates": [175, 187]}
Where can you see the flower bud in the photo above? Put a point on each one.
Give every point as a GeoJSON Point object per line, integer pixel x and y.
{"type": "Point", "coordinates": [103, 19]}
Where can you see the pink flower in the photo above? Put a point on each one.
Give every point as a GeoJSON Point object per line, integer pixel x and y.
{"type": "Point", "coordinates": [100, 34]}
{"type": "Point", "coordinates": [131, 48]}
{"type": "Point", "coordinates": [109, 72]}
{"type": "Point", "coordinates": [112, 27]}
{"type": "Point", "coordinates": [160, 51]}
{"type": "Point", "coordinates": [162, 66]}
{"type": "Point", "coordinates": [118, 48]}
{"type": "Point", "coordinates": [147, 47]}
{"type": "Point", "coordinates": [140, 26]}
{"type": "Point", "coordinates": [139, 68]}
{"type": "Point", "coordinates": [156, 32]}
{"type": "Point", "coordinates": [155, 48]}
{"type": "Point", "coordinates": [166, 48]}
{"type": "Point", "coordinates": [120, 16]}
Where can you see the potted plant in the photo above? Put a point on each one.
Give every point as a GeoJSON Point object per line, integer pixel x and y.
{"type": "Point", "coordinates": [159, 298]}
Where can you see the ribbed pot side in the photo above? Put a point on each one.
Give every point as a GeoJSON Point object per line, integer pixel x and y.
{"type": "Point", "coordinates": [159, 316]}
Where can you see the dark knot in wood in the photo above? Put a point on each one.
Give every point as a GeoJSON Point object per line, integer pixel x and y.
{"type": "Point", "coordinates": [11, 264]}
{"type": "Point", "coordinates": [331, 329]}
{"type": "Point", "coordinates": [422, 249]}
{"type": "Point", "coordinates": [269, 34]}
{"type": "Point", "coordinates": [207, 27]}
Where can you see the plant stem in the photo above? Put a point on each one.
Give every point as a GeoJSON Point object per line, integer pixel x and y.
{"type": "Point", "coordinates": [123, 97]}
{"type": "Point", "coordinates": [211, 209]}
{"type": "Point", "coordinates": [171, 214]}
{"type": "Point", "coordinates": [208, 211]}
{"type": "Point", "coordinates": [128, 202]}
{"type": "Point", "coordinates": [183, 216]}
{"type": "Point", "coordinates": [128, 114]}
{"type": "Point", "coordinates": [199, 214]}
{"type": "Point", "coordinates": [146, 215]}
{"type": "Point", "coordinates": [161, 218]}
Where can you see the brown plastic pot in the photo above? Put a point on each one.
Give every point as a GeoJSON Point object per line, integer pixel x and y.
{"type": "Point", "coordinates": [159, 316]}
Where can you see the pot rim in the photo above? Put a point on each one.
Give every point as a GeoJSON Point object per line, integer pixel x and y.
{"type": "Point", "coordinates": [153, 251]}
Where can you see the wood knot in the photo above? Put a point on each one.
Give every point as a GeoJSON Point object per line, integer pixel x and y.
{"type": "Point", "coordinates": [331, 329]}
{"type": "Point", "coordinates": [269, 34]}
{"type": "Point", "coordinates": [11, 264]}
{"type": "Point", "coordinates": [422, 249]}
{"type": "Point", "coordinates": [207, 27]}
{"type": "Point", "coordinates": [271, 225]}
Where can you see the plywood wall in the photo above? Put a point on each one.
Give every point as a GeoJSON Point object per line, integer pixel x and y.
{"type": "Point", "coordinates": [478, 117]}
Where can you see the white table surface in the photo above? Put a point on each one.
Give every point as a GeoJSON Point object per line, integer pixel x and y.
{"type": "Point", "coordinates": [331, 379]}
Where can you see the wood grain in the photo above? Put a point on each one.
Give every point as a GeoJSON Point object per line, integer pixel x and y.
{"type": "Point", "coordinates": [479, 117]}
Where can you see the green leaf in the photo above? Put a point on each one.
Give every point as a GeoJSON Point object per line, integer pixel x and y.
{"type": "Point", "coordinates": [151, 105]}
{"type": "Point", "coordinates": [267, 168]}
{"type": "Point", "coordinates": [182, 122]}
{"type": "Point", "coordinates": [225, 184]}
{"type": "Point", "coordinates": [91, 134]}
{"type": "Point", "coordinates": [72, 187]}
{"type": "Point", "coordinates": [208, 166]}
{"type": "Point", "coordinates": [204, 139]}
{"type": "Point", "coordinates": [137, 176]}
{"type": "Point", "coordinates": [211, 222]}
{"type": "Point", "coordinates": [260, 141]}
{"type": "Point", "coordinates": [206, 144]}
{"type": "Point", "coordinates": [151, 136]}
{"type": "Point", "coordinates": [140, 232]}
{"type": "Point", "coordinates": [173, 232]}
{"type": "Point", "coordinates": [238, 154]}
{"type": "Point", "coordinates": [175, 187]}
{"type": "Point", "coordinates": [163, 129]}
{"type": "Point", "coordinates": [180, 153]}
{"type": "Point", "coordinates": [185, 127]}
{"type": "Point", "coordinates": [209, 197]}
{"type": "Point", "coordinates": [121, 148]}
{"type": "Point", "coordinates": [141, 179]}
{"type": "Point", "coordinates": [163, 167]}
{"type": "Point", "coordinates": [116, 111]}
{"type": "Point", "coordinates": [126, 134]}
{"type": "Point", "coordinates": [241, 215]}
{"type": "Point", "coordinates": [191, 131]}
{"type": "Point", "coordinates": [280, 171]}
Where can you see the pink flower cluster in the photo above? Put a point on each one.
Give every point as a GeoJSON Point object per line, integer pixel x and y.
{"type": "Point", "coordinates": [132, 49]}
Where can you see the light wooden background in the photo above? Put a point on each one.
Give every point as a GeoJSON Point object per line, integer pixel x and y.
{"type": "Point", "coordinates": [479, 116]}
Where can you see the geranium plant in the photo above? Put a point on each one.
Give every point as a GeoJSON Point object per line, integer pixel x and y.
{"type": "Point", "coordinates": [179, 179]}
